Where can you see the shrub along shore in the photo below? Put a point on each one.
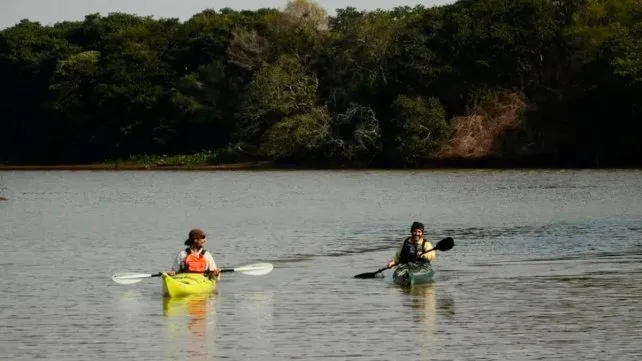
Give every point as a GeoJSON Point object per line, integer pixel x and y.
{"type": "Point", "coordinates": [484, 83]}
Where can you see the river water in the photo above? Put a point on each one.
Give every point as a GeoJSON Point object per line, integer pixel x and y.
{"type": "Point", "coordinates": [546, 265]}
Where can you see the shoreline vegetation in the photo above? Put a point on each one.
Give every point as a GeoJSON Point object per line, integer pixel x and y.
{"type": "Point", "coordinates": [139, 166]}
{"type": "Point", "coordinates": [481, 163]}
{"type": "Point", "coordinates": [473, 84]}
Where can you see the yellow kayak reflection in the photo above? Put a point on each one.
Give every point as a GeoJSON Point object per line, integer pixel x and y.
{"type": "Point", "coordinates": [193, 305]}
{"type": "Point", "coordinates": [190, 320]}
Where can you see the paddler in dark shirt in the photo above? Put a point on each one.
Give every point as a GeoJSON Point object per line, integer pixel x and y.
{"type": "Point", "coordinates": [412, 248]}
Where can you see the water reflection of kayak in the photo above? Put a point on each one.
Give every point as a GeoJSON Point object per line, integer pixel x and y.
{"type": "Point", "coordinates": [194, 305]}
{"type": "Point", "coordinates": [421, 298]}
{"type": "Point", "coordinates": [185, 284]}
{"type": "Point", "coordinates": [189, 313]}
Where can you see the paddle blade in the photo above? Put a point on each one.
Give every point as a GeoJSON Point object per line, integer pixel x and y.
{"type": "Point", "coordinates": [366, 275]}
{"type": "Point", "coordinates": [257, 269]}
{"type": "Point", "coordinates": [445, 244]}
{"type": "Point", "coordinates": [371, 274]}
{"type": "Point", "coordinates": [128, 278]}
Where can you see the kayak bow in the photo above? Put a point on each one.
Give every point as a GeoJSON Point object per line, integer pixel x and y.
{"type": "Point", "coordinates": [413, 273]}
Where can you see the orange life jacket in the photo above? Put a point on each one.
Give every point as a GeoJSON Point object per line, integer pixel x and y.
{"type": "Point", "coordinates": [195, 262]}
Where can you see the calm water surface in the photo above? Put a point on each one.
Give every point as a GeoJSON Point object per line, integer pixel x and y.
{"type": "Point", "coordinates": [547, 265]}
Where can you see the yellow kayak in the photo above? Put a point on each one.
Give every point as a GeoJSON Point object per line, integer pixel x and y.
{"type": "Point", "coordinates": [185, 284]}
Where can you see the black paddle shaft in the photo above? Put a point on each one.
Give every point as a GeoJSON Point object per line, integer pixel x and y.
{"type": "Point", "coordinates": [370, 274]}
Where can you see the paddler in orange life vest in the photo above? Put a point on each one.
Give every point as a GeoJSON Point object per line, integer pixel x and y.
{"type": "Point", "coordinates": [195, 259]}
{"type": "Point", "coordinates": [413, 247]}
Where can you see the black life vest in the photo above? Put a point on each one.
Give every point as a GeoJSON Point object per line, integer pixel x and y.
{"type": "Point", "coordinates": [410, 252]}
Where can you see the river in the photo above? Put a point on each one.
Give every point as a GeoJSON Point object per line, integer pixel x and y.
{"type": "Point", "coordinates": [546, 265]}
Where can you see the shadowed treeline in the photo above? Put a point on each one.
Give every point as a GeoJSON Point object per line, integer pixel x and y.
{"type": "Point", "coordinates": [486, 82]}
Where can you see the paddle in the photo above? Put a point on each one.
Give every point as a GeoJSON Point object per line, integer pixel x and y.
{"type": "Point", "coordinates": [256, 269]}
{"type": "Point", "coordinates": [443, 245]}
{"type": "Point", "coordinates": [128, 278]}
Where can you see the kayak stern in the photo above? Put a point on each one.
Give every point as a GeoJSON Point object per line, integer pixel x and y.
{"type": "Point", "coordinates": [185, 284]}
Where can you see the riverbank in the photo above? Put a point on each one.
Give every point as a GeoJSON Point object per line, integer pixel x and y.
{"type": "Point", "coordinates": [479, 163]}
{"type": "Point", "coordinates": [138, 166]}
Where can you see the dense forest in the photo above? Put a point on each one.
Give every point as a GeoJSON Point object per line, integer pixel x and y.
{"type": "Point", "coordinates": [501, 82]}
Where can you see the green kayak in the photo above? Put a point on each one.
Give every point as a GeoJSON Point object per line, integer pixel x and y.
{"type": "Point", "coordinates": [413, 273]}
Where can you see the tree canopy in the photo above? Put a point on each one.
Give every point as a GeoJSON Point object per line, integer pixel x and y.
{"type": "Point", "coordinates": [556, 82]}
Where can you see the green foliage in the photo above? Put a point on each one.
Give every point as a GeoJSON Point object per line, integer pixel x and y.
{"type": "Point", "coordinates": [277, 91]}
{"type": "Point", "coordinates": [218, 156]}
{"type": "Point", "coordinates": [354, 89]}
{"type": "Point", "coordinates": [299, 135]}
{"type": "Point", "coordinates": [422, 127]}
{"type": "Point", "coordinates": [71, 78]}
{"type": "Point", "coordinates": [164, 160]}
{"type": "Point", "coordinates": [357, 137]}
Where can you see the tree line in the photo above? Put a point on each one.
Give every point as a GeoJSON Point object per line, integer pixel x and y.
{"type": "Point", "coordinates": [545, 82]}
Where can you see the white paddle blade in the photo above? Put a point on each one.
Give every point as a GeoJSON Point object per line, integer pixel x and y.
{"type": "Point", "coordinates": [257, 269]}
{"type": "Point", "coordinates": [129, 278]}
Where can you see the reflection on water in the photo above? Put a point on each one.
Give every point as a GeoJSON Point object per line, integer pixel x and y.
{"type": "Point", "coordinates": [204, 327]}
{"type": "Point", "coordinates": [422, 300]}
{"type": "Point", "coordinates": [190, 323]}
{"type": "Point", "coordinates": [427, 306]}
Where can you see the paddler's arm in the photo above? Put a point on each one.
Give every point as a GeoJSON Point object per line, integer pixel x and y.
{"type": "Point", "coordinates": [395, 258]}
{"type": "Point", "coordinates": [176, 266]}
{"type": "Point", "coordinates": [430, 255]}
{"type": "Point", "coordinates": [211, 264]}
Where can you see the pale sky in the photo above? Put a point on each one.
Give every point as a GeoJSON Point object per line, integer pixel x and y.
{"type": "Point", "coordinates": [49, 12]}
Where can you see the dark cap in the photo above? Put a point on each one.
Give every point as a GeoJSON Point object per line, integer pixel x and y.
{"type": "Point", "coordinates": [417, 225]}
{"type": "Point", "coordinates": [193, 235]}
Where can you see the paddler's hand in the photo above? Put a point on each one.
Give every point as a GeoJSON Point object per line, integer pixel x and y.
{"type": "Point", "coordinates": [216, 272]}
{"type": "Point", "coordinates": [171, 273]}
{"type": "Point", "coordinates": [391, 264]}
